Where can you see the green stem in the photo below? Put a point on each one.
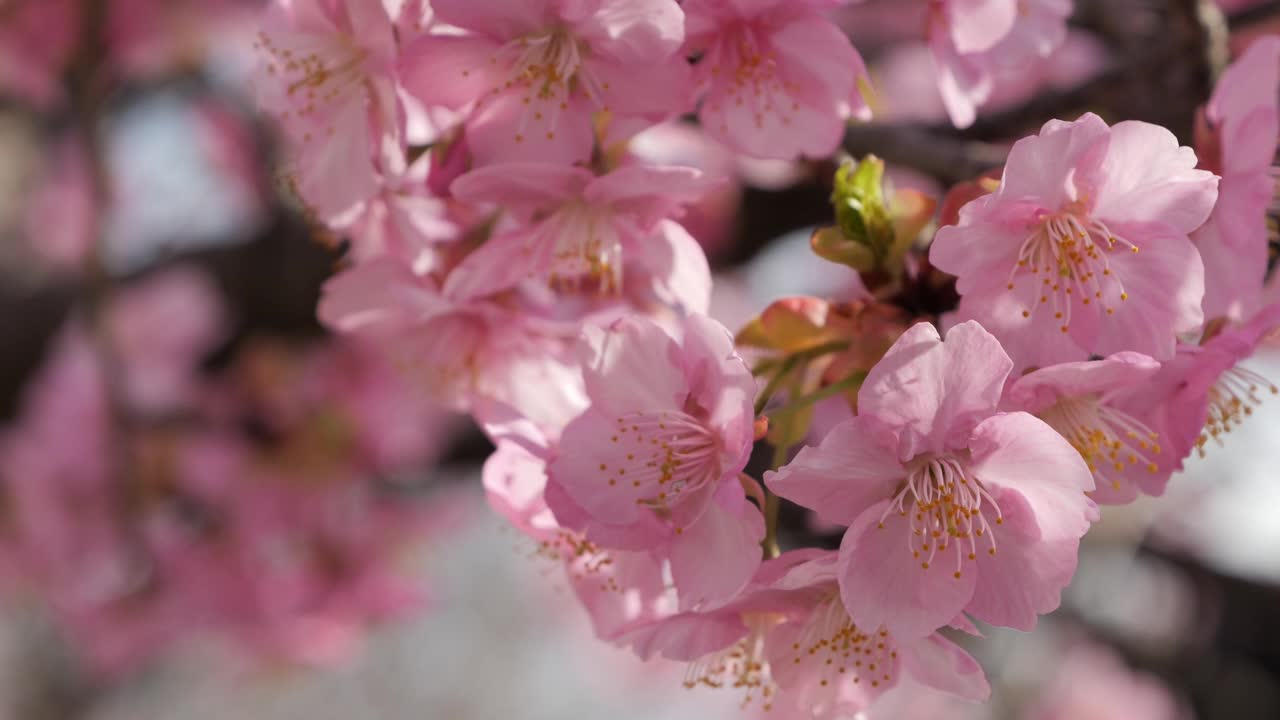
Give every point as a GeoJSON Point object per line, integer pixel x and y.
{"type": "Point", "coordinates": [847, 383]}
{"type": "Point", "coordinates": [818, 351]}
{"type": "Point", "coordinates": [775, 382]}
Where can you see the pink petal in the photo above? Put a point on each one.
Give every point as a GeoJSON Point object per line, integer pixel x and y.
{"type": "Point", "coordinates": [941, 664]}
{"type": "Point", "coordinates": [1248, 83]}
{"type": "Point", "coordinates": [1122, 371]}
{"type": "Point", "coordinates": [381, 294]}
{"type": "Point", "coordinates": [1049, 168]}
{"type": "Point", "coordinates": [715, 557]}
{"type": "Point", "coordinates": [1147, 177]}
{"type": "Point", "coordinates": [452, 71]}
{"type": "Point", "coordinates": [632, 366]}
{"type": "Point", "coordinates": [720, 384]}
{"type": "Point", "coordinates": [1025, 577]}
{"type": "Point", "coordinates": [977, 25]}
{"type": "Point", "coordinates": [502, 262]}
{"type": "Point", "coordinates": [586, 465]}
{"type": "Point", "coordinates": [498, 20]}
{"type": "Point", "coordinates": [848, 473]}
{"type": "Point", "coordinates": [636, 32]}
{"type": "Point", "coordinates": [637, 591]}
{"type": "Point", "coordinates": [522, 187]}
{"type": "Point", "coordinates": [663, 89]}
{"type": "Point", "coordinates": [648, 192]}
{"type": "Point", "coordinates": [674, 266]}
{"type": "Point", "coordinates": [685, 637]}
{"type": "Point", "coordinates": [505, 129]}
{"type": "Point", "coordinates": [932, 392]}
{"type": "Point", "coordinates": [883, 584]}
{"type": "Point", "coordinates": [1020, 452]}
{"type": "Point", "coordinates": [1164, 282]}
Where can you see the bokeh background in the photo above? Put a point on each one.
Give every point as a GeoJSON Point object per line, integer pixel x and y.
{"type": "Point", "coordinates": [142, 156]}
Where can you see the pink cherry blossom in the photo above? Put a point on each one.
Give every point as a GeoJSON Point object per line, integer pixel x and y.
{"type": "Point", "coordinates": [161, 330]}
{"type": "Point", "coordinates": [788, 644]}
{"type": "Point", "coordinates": [573, 229]}
{"type": "Point", "coordinates": [952, 507]}
{"type": "Point", "coordinates": [327, 75]}
{"type": "Point", "coordinates": [653, 462]}
{"type": "Point", "coordinates": [403, 218]}
{"type": "Point", "coordinates": [1083, 249]}
{"type": "Point", "coordinates": [459, 353]}
{"type": "Point", "coordinates": [780, 79]}
{"type": "Point", "coordinates": [1204, 392]}
{"type": "Point", "coordinates": [1090, 403]}
{"type": "Point", "coordinates": [536, 73]}
{"type": "Point", "coordinates": [975, 42]}
{"type": "Point", "coordinates": [1242, 118]}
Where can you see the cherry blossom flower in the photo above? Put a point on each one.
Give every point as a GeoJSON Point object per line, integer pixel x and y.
{"type": "Point", "coordinates": [537, 73]}
{"type": "Point", "coordinates": [654, 461]}
{"type": "Point", "coordinates": [464, 355]}
{"type": "Point", "coordinates": [327, 75]}
{"type": "Point", "coordinates": [573, 229]}
{"type": "Point", "coordinates": [403, 219]}
{"type": "Point", "coordinates": [952, 507]}
{"type": "Point", "coordinates": [974, 42]}
{"type": "Point", "coordinates": [1083, 250]}
{"type": "Point", "coordinates": [789, 645]}
{"type": "Point", "coordinates": [1090, 403]}
{"type": "Point", "coordinates": [1239, 143]}
{"type": "Point", "coordinates": [780, 79]}
{"type": "Point", "coordinates": [1204, 392]}
{"type": "Point", "coordinates": [161, 329]}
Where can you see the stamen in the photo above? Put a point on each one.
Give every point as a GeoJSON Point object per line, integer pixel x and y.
{"type": "Point", "coordinates": [669, 454]}
{"type": "Point", "coordinates": [1231, 400]}
{"type": "Point", "coordinates": [741, 666]}
{"type": "Point", "coordinates": [944, 509]}
{"type": "Point", "coordinates": [1109, 440]}
{"type": "Point", "coordinates": [837, 650]}
{"type": "Point", "coordinates": [1071, 250]}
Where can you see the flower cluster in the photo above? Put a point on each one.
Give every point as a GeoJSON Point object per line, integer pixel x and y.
{"type": "Point", "coordinates": [521, 257]}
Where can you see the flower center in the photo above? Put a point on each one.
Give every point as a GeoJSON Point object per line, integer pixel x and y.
{"type": "Point", "coordinates": [945, 511]}
{"type": "Point", "coordinates": [1232, 399]}
{"type": "Point", "coordinates": [668, 454]}
{"type": "Point", "coordinates": [741, 666]}
{"type": "Point", "coordinates": [1066, 261]}
{"type": "Point", "coordinates": [318, 73]}
{"type": "Point", "coordinates": [744, 71]}
{"type": "Point", "coordinates": [1109, 440]}
{"type": "Point", "coordinates": [548, 67]}
{"type": "Point", "coordinates": [834, 648]}
{"type": "Point", "coordinates": [585, 247]}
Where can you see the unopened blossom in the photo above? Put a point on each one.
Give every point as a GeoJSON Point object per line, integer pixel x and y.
{"type": "Point", "coordinates": [536, 74]}
{"type": "Point", "coordinates": [574, 230]}
{"type": "Point", "coordinates": [1238, 141]}
{"type": "Point", "coordinates": [779, 79]}
{"type": "Point", "coordinates": [654, 461]}
{"type": "Point", "coordinates": [1084, 250]}
{"type": "Point", "coordinates": [788, 645]}
{"type": "Point", "coordinates": [975, 42]}
{"type": "Point", "coordinates": [952, 507]}
{"type": "Point", "coordinates": [327, 76]}
{"type": "Point", "coordinates": [1092, 404]}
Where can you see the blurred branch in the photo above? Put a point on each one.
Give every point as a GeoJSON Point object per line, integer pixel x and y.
{"type": "Point", "coordinates": [936, 152]}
